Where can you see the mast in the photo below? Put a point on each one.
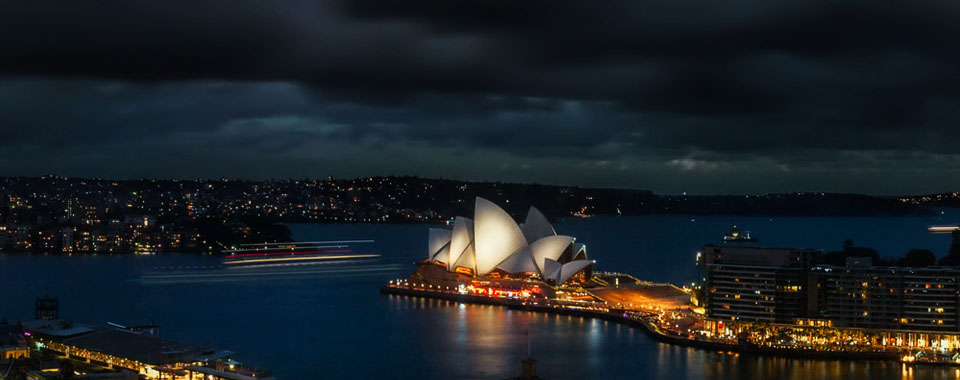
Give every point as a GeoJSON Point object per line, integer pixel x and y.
{"type": "Point", "coordinates": [528, 343]}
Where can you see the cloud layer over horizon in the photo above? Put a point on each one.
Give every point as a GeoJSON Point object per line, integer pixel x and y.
{"type": "Point", "coordinates": [700, 96]}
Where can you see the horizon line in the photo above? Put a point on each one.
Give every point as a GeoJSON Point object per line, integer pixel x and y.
{"type": "Point", "coordinates": [331, 178]}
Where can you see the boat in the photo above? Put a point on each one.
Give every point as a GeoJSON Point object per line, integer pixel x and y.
{"type": "Point", "coordinates": [734, 236]}
{"type": "Point", "coordinates": [295, 253]}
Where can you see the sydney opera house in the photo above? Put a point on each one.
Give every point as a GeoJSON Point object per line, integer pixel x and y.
{"type": "Point", "coordinates": [492, 251]}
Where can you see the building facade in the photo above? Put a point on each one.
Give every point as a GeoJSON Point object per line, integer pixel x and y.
{"type": "Point", "coordinates": [785, 285]}
{"type": "Point", "coordinates": [901, 298]}
{"type": "Point", "coordinates": [755, 284]}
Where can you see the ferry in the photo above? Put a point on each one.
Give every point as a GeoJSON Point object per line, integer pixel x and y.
{"type": "Point", "coordinates": [295, 253]}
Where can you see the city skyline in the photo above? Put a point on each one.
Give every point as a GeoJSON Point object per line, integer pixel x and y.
{"type": "Point", "coordinates": [70, 215]}
{"type": "Point", "coordinates": [479, 189]}
{"type": "Point", "coordinates": [705, 99]}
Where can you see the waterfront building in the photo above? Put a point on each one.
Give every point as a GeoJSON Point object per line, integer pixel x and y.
{"type": "Point", "coordinates": [12, 345]}
{"type": "Point", "coordinates": [901, 298]}
{"type": "Point", "coordinates": [789, 291]}
{"type": "Point", "coordinates": [66, 238]}
{"type": "Point", "coordinates": [754, 283]}
{"type": "Point", "coordinates": [491, 252]}
{"type": "Point", "coordinates": [15, 237]}
{"type": "Point", "coordinates": [46, 308]}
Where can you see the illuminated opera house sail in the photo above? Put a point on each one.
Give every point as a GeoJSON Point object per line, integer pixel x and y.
{"type": "Point", "coordinates": [492, 244]}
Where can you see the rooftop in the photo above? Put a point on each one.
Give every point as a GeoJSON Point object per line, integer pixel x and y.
{"type": "Point", "coordinates": [129, 344]}
{"type": "Point", "coordinates": [56, 328]}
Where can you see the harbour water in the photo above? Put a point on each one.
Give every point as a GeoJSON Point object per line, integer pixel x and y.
{"type": "Point", "coordinates": [331, 322]}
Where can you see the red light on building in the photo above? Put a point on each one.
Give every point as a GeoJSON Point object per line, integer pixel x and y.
{"type": "Point", "coordinates": [501, 292]}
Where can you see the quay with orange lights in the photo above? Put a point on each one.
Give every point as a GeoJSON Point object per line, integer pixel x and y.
{"type": "Point", "coordinates": [658, 323]}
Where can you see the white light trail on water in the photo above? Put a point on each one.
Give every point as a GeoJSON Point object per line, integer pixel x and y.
{"type": "Point", "coordinates": [270, 260]}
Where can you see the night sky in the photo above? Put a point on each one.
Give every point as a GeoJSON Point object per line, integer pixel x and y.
{"type": "Point", "coordinates": [702, 96]}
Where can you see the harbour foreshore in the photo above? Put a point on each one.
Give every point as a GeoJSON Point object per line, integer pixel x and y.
{"type": "Point", "coordinates": [637, 319]}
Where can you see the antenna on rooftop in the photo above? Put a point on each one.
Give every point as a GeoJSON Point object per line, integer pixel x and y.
{"type": "Point", "coordinates": [529, 364]}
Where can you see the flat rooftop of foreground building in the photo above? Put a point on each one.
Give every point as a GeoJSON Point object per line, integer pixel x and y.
{"type": "Point", "coordinates": [56, 329]}
{"type": "Point", "coordinates": [122, 343]}
{"type": "Point", "coordinates": [616, 279]}
{"type": "Point", "coordinates": [126, 344]}
{"type": "Point", "coordinates": [932, 268]}
{"type": "Point", "coordinates": [727, 246]}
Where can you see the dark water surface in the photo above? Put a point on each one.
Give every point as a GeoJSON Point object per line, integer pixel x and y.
{"type": "Point", "coordinates": [331, 321]}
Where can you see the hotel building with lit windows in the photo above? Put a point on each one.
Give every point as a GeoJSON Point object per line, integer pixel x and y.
{"type": "Point", "coordinates": [901, 298]}
{"type": "Point", "coordinates": [788, 286]}
{"type": "Point", "coordinates": [754, 283]}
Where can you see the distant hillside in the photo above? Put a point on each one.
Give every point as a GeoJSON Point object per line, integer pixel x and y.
{"type": "Point", "coordinates": [391, 199]}
{"type": "Point", "coordinates": [934, 200]}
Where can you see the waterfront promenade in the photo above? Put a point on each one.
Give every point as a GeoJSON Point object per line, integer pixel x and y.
{"type": "Point", "coordinates": [657, 325]}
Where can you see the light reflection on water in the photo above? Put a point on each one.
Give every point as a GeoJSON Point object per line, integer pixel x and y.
{"type": "Point", "coordinates": [343, 329]}
{"type": "Point", "coordinates": [466, 339]}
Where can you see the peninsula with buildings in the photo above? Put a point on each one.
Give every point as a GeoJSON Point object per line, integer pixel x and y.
{"type": "Point", "coordinates": [800, 302]}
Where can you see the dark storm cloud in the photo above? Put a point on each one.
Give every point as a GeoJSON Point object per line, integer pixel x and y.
{"type": "Point", "coordinates": [670, 95]}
